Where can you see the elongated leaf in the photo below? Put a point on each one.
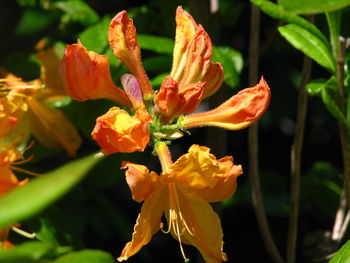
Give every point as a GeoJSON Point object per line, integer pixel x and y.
{"type": "Point", "coordinates": [333, 107]}
{"type": "Point", "coordinates": [278, 12]}
{"type": "Point", "coordinates": [28, 200]}
{"type": "Point", "coordinates": [342, 255]}
{"type": "Point", "coordinates": [31, 251]}
{"type": "Point", "coordinates": [157, 44]}
{"type": "Point", "coordinates": [334, 24]}
{"type": "Point", "coordinates": [312, 6]}
{"type": "Point", "coordinates": [309, 44]}
{"type": "Point", "coordinates": [86, 256]}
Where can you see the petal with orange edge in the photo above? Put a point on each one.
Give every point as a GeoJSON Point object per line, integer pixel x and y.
{"type": "Point", "coordinates": [86, 75]}
{"type": "Point", "coordinates": [205, 226]}
{"type": "Point", "coordinates": [213, 79]}
{"type": "Point", "coordinates": [123, 41]}
{"type": "Point", "coordinates": [141, 182]}
{"type": "Point", "coordinates": [147, 223]}
{"type": "Point", "coordinates": [167, 99]}
{"type": "Point", "coordinates": [237, 112]}
{"type": "Point", "coordinates": [185, 30]}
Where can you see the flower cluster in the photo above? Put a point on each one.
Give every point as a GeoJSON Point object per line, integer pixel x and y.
{"type": "Point", "coordinates": [183, 190]}
{"type": "Point", "coordinates": [25, 110]}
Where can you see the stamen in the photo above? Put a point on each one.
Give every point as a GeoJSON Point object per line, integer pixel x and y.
{"type": "Point", "coordinates": [23, 233]}
{"type": "Point", "coordinates": [21, 170]}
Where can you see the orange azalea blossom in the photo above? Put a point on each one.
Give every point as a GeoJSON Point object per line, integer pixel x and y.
{"type": "Point", "coordinates": [117, 131]}
{"type": "Point", "coordinates": [193, 76]}
{"type": "Point", "coordinates": [8, 179]}
{"type": "Point", "coordinates": [182, 192]}
{"type": "Point", "coordinates": [86, 76]}
{"type": "Point", "coordinates": [237, 112]}
{"type": "Point", "coordinates": [50, 126]}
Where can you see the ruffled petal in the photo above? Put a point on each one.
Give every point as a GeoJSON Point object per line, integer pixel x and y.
{"type": "Point", "coordinates": [147, 223]}
{"type": "Point", "coordinates": [141, 182]}
{"type": "Point", "coordinates": [213, 79]}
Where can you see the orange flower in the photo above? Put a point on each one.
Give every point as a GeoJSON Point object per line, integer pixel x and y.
{"type": "Point", "coordinates": [86, 76]}
{"type": "Point", "coordinates": [237, 112]}
{"type": "Point", "coordinates": [48, 125]}
{"type": "Point", "coordinates": [117, 131]}
{"type": "Point", "coordinates": [193, 76]}
{"type": "Point", "coordinates": [182, 193]}
{"type": "Point", "coordinates": [8, 180]}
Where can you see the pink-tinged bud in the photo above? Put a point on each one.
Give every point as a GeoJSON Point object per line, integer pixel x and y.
{"type": "Point", "coordinates": [237, 112]}
{"type": "Point", "coordinates": [198, 57]}
{"type": "Point", "coordinates": [213, 79]}
{"type": "Point", "coordinates": [123, 41]}
{"type": "Point", "coordinates": [133, 90]}
{"type": "Point", "coordinates": [117, 131]}
{"type": "Point", "coordinates": [86, 75]}
{"type": "Point", "coordinates": [185, 30]}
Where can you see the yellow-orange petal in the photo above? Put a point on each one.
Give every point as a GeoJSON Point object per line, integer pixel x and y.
{"type": "Point", "coordinates": [213, 79]}
{"type": "Point", "coordinates": [198, 58]}
{"type": "Point", "coordinates": [205, 226]}
{"type": "Point", "coordinates": [50, 71]}
{"type": "Point", "coordinates": [52, 128]}
{"type": "Point", "coordinates": [225, 181]}
{"type": "Point", "coordinates": [147, 223]}
{"type": "Point", "coordinates": [123, 41]}
{"type": "Point", "coordinates": [195, 169]}
{"type": "Point", "coordinates": [185, 30]}
{"type": "Point", "coordinates": [117, 131]}
{"type": "Point", "coordinates": [237, 112]}
{"type": "Point", "coordinates": [86, 75]}
{"type": "Point", "coordinates": [141, 182]}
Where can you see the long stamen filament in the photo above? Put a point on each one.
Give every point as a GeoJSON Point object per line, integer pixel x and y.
{"type": "Point", "coordinates": [21, 170]}
{"type": "Point", "coordinates": [23, 233]}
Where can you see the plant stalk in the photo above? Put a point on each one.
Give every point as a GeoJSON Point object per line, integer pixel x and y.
{"type": "Point", "coordinates": [253, 143]}
{"type": "Point", "coordinates": [296, 155]}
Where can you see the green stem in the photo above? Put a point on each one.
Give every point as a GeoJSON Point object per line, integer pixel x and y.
{"type": "Point", "coordinates": [253, 143]}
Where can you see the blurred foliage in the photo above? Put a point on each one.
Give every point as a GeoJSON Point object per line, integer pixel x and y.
{"type": "Point", "coordinates": [86, 213]}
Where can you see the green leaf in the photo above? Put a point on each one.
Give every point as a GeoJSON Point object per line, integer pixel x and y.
{"type": "Point", "coordinates": [157, 63]}
{"type": "Point", "coordinates": [342, 255]}
{"type": "Point", "coordinates": [86, 256]}
{"type": "Point", "coordinates": [161, 45]}
{"type": "Point", "coordinates": [31, 252]}
{"type": "Point", "coordinates": [95, 37]}
{"type": "Point", "coordinates": [77, 11]}
{"type": "Point", "coordinates": [316, 86]}
{"type": "Point", "coordinates": [312, 6]}
{"type": "Point", "coordinates": [26, 201]}
{"type": "Point", "coordinates": [278, 12]}
{"type": "Point", "coordinates": [232, 62]}
{"type": "Point", "coordinates": [157, 80]}
{"type": "Point", "coordinates": [334, 24]}
{"type": "Point", "coordinates": [309, 44]}
{"type": "Point", "coordinates": [333, 107]}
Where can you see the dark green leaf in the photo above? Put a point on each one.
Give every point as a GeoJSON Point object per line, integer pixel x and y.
{"type": "Point", "coordinates": [26, 2]}
{"type": "Point", "coordinates": [77, 11]}
{"type": "Point", "coordinates": [232, 62]}
{"type": "Point", "coordinates": [95, 38]}
{"type": "Point", "coordinates": [28, 200]}
{"type": "Point", "coordinates": [278, 12]}
{"type": "Point", "coordinates": [342, 255]}
{"type": "Point", "coordinates": [334, 21]}
{"type": "Point", "coordinates": [30, 252]}
{"type": "Point", "coordinates": [309, 44]}
{"type": "Point", "coordinates": [312, 6]}
{"type": "Point", "coordinates": [157, 44]}
{"type": "Point", "coordinates": [157, 80]}
{"type": "Point", "coordinates": [157, 63]}
{"type": "Point", "coordinates": [86, 256]}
